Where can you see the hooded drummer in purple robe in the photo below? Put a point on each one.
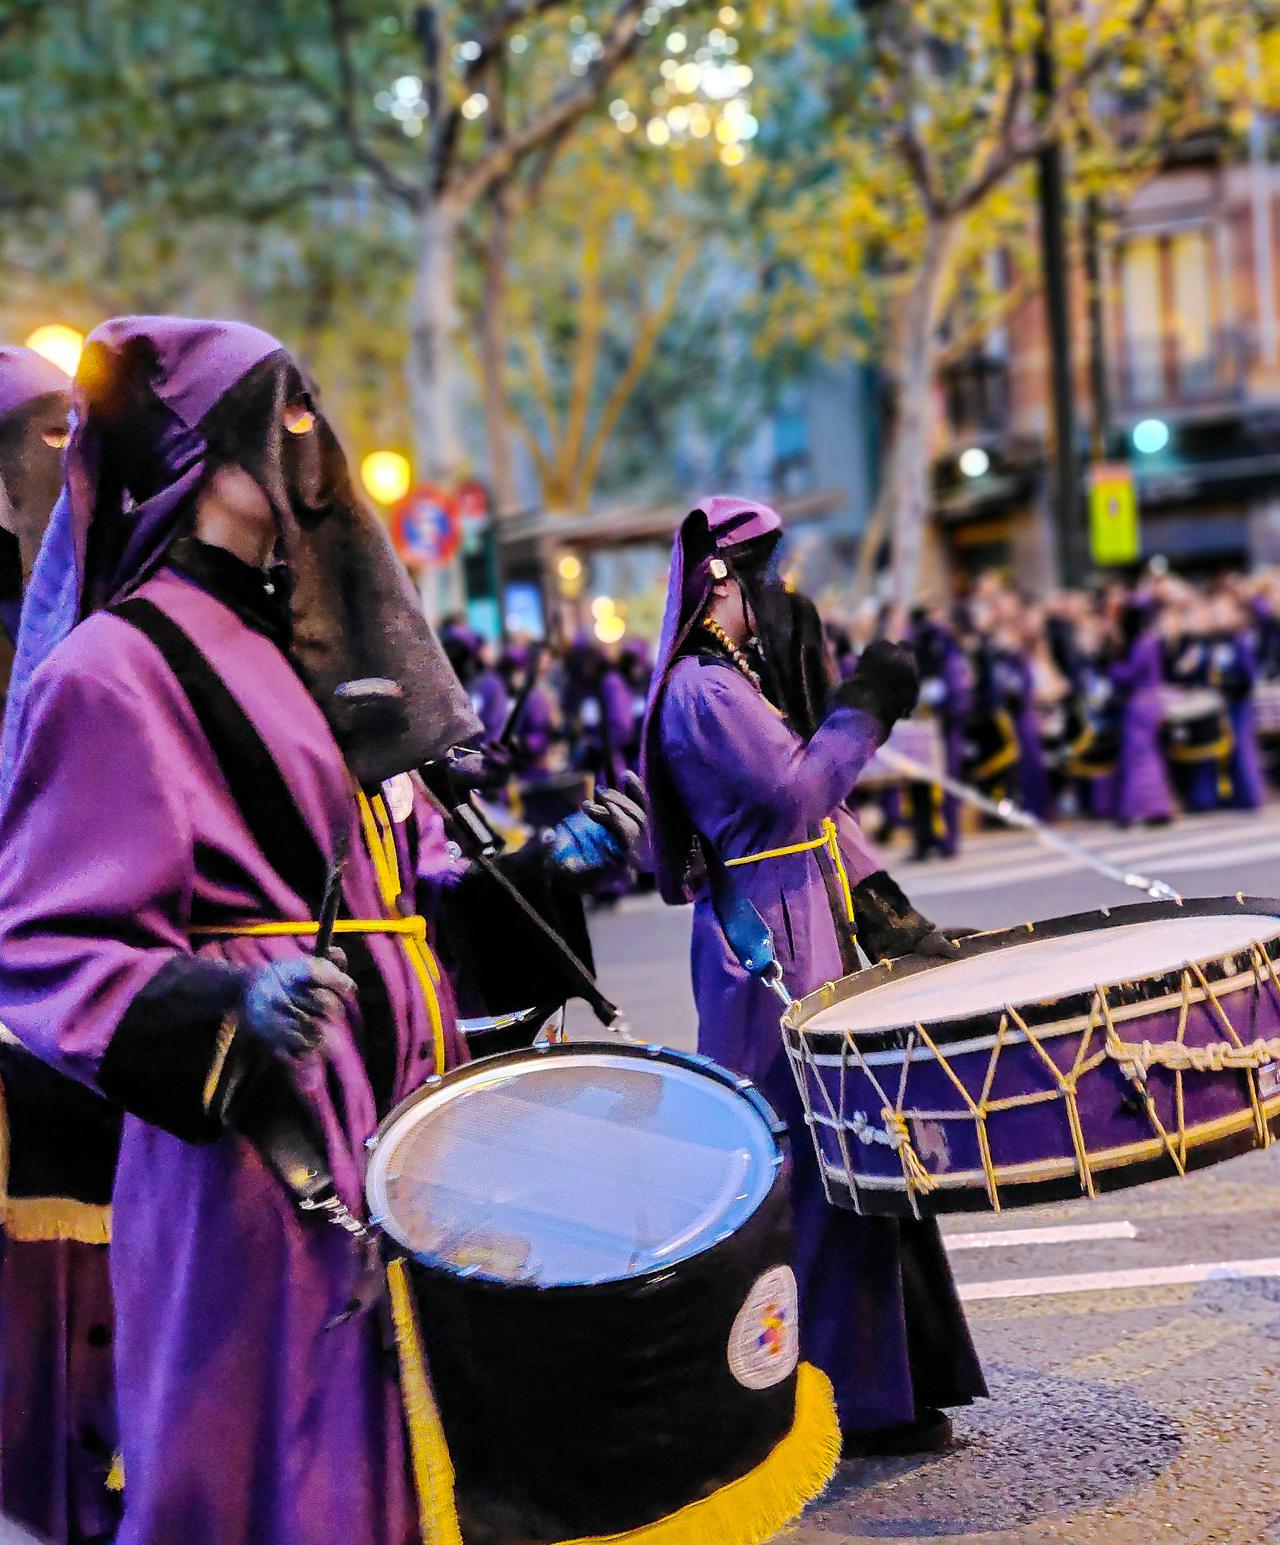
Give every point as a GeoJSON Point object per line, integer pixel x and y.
{"type": "Point", "coordinates": [194, 739]}
{"type": "Point", "coordinates": [57, 1395]}
{"type": "Point", "coordinates": [735, 788]}
{"type": "Point", "coordinates": [1141, 783]}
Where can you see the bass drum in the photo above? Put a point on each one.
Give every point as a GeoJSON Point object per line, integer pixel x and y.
{"type": "Point", "coordinates": [1058, 1059]}
{"type": "Point", "coordinates": [599, 1244]}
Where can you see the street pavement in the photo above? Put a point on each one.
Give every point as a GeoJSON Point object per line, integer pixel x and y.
{"type": "Point", "coordinates": [1132, 1343]}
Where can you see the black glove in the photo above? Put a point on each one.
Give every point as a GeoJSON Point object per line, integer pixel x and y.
{"type": "Point", "coordinates": [625, 813]}
{"type": "Point", "coordinates": [889, 926]}
{"type": "Point", "coordinates": [884, 683]}
{"type": "Point", "coordinates": [287, 1003]}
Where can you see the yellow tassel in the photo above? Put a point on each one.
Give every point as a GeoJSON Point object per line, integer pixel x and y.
{"type": "Point", "coordinates": [115, 1476]}
{"type": "Point", "coordinates": [428, 1450]}
{"type": "Point", "coordinates": [752, 1509]}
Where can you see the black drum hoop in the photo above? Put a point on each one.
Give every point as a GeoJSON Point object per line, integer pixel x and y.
{"type": "Point", "coordinates": [946, 1030]}
{"type": "Point", "coordinates": [392, 1248]}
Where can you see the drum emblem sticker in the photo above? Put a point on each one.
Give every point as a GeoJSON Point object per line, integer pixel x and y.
{"type": "Point", "coordinates": [764, 1344]}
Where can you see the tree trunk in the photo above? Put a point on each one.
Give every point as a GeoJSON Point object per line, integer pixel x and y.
{"type": "Point", "coordinates": [906, 492]}
{"type": "Point", "coordinates": [433, 372]}
{"type": "Point", "coordinates": [493, 357]}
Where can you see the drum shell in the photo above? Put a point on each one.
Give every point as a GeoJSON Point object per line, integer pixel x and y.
{"type": "Point", "coordinates": [590, 1410]}
{"type": "Point", "coordinates": [1031, 1153]}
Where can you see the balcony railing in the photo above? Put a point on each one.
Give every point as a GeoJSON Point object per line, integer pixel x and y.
{"type": "Point", "coordinates": [1168, 373]}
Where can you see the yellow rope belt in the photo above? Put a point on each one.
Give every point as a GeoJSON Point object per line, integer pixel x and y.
{"type": "Point", "coordinates": [830, 839]}
{"type": "Point", "coordinates": [411, 931]}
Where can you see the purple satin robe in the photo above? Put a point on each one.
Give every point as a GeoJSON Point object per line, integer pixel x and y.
{"type": "Point", "coordinates": [748, 784]}
{"type": "Point", "coordinates": [57, 1389]}
{"type": "Point", "coordinates": [490, 701]}
{"type": "Point", "coordinates": [248, 1416]}
{"type": "Point", "coordinates": [1142, 791]}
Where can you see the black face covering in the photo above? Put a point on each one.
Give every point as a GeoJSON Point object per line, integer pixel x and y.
{"type": "Point", "coordinates": [356, 617]}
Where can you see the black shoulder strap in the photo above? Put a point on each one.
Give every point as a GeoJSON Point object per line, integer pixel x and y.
{"type": "Point", "coordinates": [257, 786]}
{"type": "Point", "coordinates": [275, 822]}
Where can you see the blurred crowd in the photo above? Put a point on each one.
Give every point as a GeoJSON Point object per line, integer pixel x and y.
{"type": "Point", "coordinates": [1128, 702]}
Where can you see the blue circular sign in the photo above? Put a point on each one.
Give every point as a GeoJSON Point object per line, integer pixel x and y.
{"type": "Point", "coordinates": [424, 527]}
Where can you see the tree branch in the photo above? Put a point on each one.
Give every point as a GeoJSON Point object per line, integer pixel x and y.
{"type": "Point", "coordinates": [344, 109]}
{"type": "Point", "coordinates": [562, 113]}
{"type": "Point", "coordinates": [650, 332]}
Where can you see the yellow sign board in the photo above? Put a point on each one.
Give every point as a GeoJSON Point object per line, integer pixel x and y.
{"type": "Point", "coordinates": [1115, 531]}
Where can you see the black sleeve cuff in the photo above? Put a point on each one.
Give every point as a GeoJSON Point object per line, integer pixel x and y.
{"type": "Point", "coordinates": [171, 1050]}
{"type": "Point", "coordinates": [498, 958]}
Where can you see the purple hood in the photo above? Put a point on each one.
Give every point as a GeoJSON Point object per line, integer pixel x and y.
{"type": "Point", "coordinates": [718, 528]}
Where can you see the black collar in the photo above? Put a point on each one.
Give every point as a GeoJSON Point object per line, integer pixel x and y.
{"type": "Point", "coordinates": [259, 597]}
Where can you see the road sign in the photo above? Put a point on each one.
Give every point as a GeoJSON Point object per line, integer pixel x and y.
{"type": "Point", "coordinates": [472, 500]}
{"type": "Point", "coordinates": [424, 527]}
{"type": "Point", "coordinates": [1115, 531]}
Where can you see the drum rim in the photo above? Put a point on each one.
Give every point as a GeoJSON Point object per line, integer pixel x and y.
{"type": "Point", "coordinates": [645, 1050]}
{"type": "Point", "coordinates": [1036, 1011]}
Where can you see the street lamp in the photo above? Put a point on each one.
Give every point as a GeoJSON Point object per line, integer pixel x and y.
{"type": "Point", "coordinates": [1150, 435]}
{"type": "Point", "coordinates": [59, 344]}
{"type": "Point", "coordinates": [974, 462]}
{"type": "Point", "coordinates": [386, 476]}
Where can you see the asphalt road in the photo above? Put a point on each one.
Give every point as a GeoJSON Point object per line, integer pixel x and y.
{"type": "Point", "coordinates": [1132, 1343]}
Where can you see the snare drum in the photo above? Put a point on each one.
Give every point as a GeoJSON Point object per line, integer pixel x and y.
{"type": "Point", "coordinates": [1052, 1060]}
{"type": "Point", "coordinates": [1195, 723]}
{"type": "Point", "coordinates": [599, 1245]}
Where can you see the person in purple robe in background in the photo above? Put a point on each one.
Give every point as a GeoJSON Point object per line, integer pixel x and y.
{"type": "Point", "coordinates": [536, 728]}
{"type": "Point", "coordinates": [635, 666]}
{"type": "Point", "coordinates": [946, 691]}
{"type": "Point", "coordinates": [1141, 782]}
{"type": "Point", "coordinates": [598, 710]}
{"type": "Point", "coordinates": [1233, 670]}
{"type": "Point", "coordinates": [472, 658]}
{"type": "Point", "coordinates": [194, 738]}
{"type": "Point", "coordinates": [57, 1390]}
{"type": "Point", "coordinates": [730, 780]}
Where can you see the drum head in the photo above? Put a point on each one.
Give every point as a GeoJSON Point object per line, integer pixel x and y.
{"type": "Point", "coordinates": [1045, 970]}
{"type": "Point", "coordinates": [567, 1166]}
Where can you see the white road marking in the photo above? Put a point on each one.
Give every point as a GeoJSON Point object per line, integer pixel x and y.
{"type": "Point", "coordinates": [1118, 1281]}
{"type": "Point", "coordinates": [1056, 1234]}
{"type": "Point", "coordinates": [938, 881]}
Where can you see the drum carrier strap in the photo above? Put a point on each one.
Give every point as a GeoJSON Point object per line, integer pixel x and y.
{"type": "Point", "coordinates": [278, 1123]}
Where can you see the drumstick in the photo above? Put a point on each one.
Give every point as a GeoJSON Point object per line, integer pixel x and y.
{"type": "Point", "coordinates": [332, 899]}
{"type": "Point", "coordinates": [1013, 815]}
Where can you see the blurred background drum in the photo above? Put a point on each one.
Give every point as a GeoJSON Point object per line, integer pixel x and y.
{"type": "Point", "coordinates": [1052, 1060]}
{"type": "Point", "coordinates": [599, 1246]}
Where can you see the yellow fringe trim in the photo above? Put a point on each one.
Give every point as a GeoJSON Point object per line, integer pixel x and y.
{"type": "Point", "coordinates": [752, 1509]}
{"type": "Point", "coordinates": [38, 1220]}
{"type": "Point", "coordinates": [428, 1451]}
{"type": "Point", "coordinates": [115, 1476]}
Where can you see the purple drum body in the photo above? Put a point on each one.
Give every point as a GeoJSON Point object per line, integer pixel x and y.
{"type": "Point", "coordinates": [1053, 1060]}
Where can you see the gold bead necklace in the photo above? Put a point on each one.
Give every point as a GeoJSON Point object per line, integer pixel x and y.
{"type": "Point", "coordinates": [711, 626]}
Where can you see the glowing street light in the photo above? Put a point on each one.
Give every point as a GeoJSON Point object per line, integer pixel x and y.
{"type": "Point", "coordinates": [59, 344]}
{"type": "Point", "coordinates": [1150, 435]}
{"type": "Point", "coordinates": [386, 476]}
{"type": "Point", "coordinates": [611, 628]}
{"type": "Point", "coordinates": [569, 567]}
{"type": "Point", "coordinates": [974, 462]}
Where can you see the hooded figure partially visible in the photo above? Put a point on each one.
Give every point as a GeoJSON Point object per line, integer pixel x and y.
{"type": "Point", "coordinates": [57, 1391]}
{"type": "Point", "coordinates": [184, 763]}
{"type": "Point", "coordinates": [750, 752]}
